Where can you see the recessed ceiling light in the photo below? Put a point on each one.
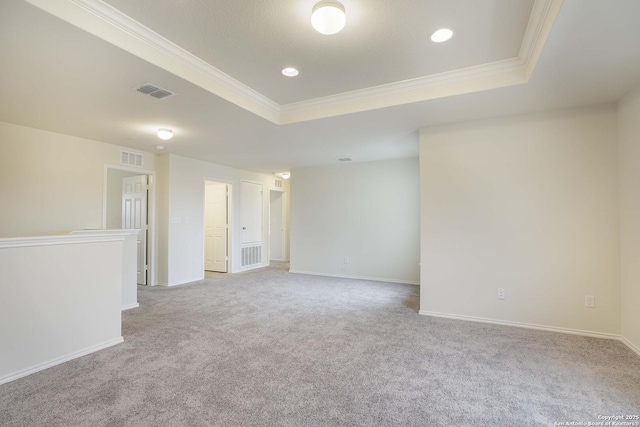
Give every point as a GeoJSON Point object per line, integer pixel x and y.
{"type": "Point", "coordinates": [290, 72]}
{"type": "Point", "coordinates": [328, 17]}
{"type": "Point", "coordinates": [442, 35]}
{"type": "Point", "coordinates": [165, 134]}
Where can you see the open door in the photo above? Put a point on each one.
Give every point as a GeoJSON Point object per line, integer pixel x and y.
{"type": "Point", "coordinates": [216, 227]}
{"type": "Point", "coordinates": [134, 216]}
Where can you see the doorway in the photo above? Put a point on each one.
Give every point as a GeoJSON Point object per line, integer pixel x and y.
{"type": "Point", "coordinates": [129, 203]}
{"type": "Point", "coordinates": [276, 226]}
{"type": "Point", "coordinates": [135, 197]}
{"type": "Point", "coordinates": [216, 227]}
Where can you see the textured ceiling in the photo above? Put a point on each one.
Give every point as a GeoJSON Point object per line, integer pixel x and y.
{"type": "Point", "coordinates": [383, 42]}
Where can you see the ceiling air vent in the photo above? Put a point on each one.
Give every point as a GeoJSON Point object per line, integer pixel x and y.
{"type": "Point", "coordinates": [154, 91]}
{"type": "Point", "coordinates": [344, 159]}
{"type": "Point", "coordinates": [131, 159]}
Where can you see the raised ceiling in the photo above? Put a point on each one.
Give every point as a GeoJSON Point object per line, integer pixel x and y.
{"type": "Point", "coordinates": [391, 40]}
{"type": "Point", "coordinates": [236, 49]}
{"type": "Point", "coordinates": [66, 78]}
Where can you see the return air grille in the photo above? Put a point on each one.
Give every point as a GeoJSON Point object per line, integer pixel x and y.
{"type": "Point", "coordinates": [278, 183]}
{"type": "Point", "coordinates": [131, 159]}
{"type": "Point", "coordinates": [154, 91]}
{"type": "Point", "coordinates": [251, 255]}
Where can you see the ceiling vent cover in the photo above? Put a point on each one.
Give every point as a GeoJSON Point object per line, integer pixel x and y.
{"type": "Point", "coordinates": [131, 159]}
{"type": "Point", "coordinates": [154, 91]}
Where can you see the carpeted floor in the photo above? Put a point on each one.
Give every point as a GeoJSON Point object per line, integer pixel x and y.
{"type": "Point", "coordinates": [268, 348]}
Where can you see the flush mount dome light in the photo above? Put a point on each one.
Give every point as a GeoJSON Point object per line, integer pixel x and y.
{"type": "Point", "coordinates": [442, 35]}
{"type": "Point", "coordinates": [290, 72]}
{"type": "Point", "coordinates": [285, 175]}
{"type": "Point", "coordinates": [165, 134]}
{"type": "Point", "coordinates": [328, 17]}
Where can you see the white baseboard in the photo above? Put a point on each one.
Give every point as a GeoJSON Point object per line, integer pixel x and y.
{"type": "Point", "coordinates": [344, 276]}
{"type": "Point", "coordinates": [130, 306]}
{"type": "Point", "coordinates": [170, 285]}
{"type": "Point", "coordinates": [252, 267]}
{"type": "Point", "coordinates": [630, 345]}
{"type": "Point", "coordinates": [523, 325]}
{"type": "Point", "coordinates": [59, 360]}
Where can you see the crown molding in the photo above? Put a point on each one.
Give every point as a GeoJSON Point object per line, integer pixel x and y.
{"type": "Point", "coordinates": [104, 21]}
{"type": "Point", "coordinates": [113, 26]}
{"type": "Point", "coordinates": [472, 79]}
{"type": "Point", "coordinates": [543, 16]}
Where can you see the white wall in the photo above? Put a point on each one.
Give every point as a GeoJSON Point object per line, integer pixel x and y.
{"type": "Point", "coordinates": [67, 307]}
{"type": "Point", "coordinates": [162, 215]}
{"type": "Point", "coordinates": [184, 214]}
{"type": "Point", "coordinates": [629, 140]}
{"type": "Point", "coordinates": [368, 212]}
{"type": "Point", "coordinates": [528, 204]}
{"type": "Point", "coordinates": [52, 183]}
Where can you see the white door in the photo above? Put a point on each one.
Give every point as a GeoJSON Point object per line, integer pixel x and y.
{"type": "Point", "coordinates": [134, 216]}
{"type": "Point", "coordinates": [251, 212]}
{"type": "Point", "coordinates": [215, 227]}
{"type": "Point", "coordinates": [276, 226]}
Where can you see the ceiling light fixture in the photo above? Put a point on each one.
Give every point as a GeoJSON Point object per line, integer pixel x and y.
{"type": "Point", "coordinates": [328, 17]}
{"type": "Point", "coordinates": [165, 134]}
{"type": "Point", "coordinates": [290, 72]}
{"type": "Point", "coordinates": [283, 175]}
{"type": "Point", "coordinates": [442, 35]}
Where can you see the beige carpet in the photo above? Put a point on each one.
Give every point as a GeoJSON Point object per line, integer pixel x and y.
{"type": "Point", "coordinates": [269, 348]}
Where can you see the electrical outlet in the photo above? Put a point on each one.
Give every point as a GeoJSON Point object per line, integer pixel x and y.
{"type": "Point", "coordinates": [346, 260]}
{"type": "Point", "coordinates": [502, 294]}
{"type": "Point", "coordinates": [589, 301]}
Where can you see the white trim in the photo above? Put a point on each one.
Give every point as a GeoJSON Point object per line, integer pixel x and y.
{"type": "Point", "coordinates": [253, 266]}
{"type": "Point", "coordinates": [100, 232]}
{"type": "Point", "coordinates": [345, 276]}
{"type": "Point", "coordinates": [630, 345]}
{"type": "Point", "coordinates": [65, 239]}
{"type": "Point", "coordinates": [543, 15]}
{"type": "Point", "coordinates": [108, 23]}
{"type": "Point", "coordinates": [401, 87]}
{"type": "Point", "coordinates": [60, 360]}
{"type": "Point", "coordinates": [522, 325]}
{"type": "Point", "coordinates": [129, 307]}
{"type": "Point", "coordinates": [170, 285]}
{"type": "Point", "coordinates": [132, 27]}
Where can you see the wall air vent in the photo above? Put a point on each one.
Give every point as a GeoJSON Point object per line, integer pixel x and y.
{"type": "Point", "coordinates": [251, 255]}
{"type": "Point", "coordinates": [154, 91]}
{"type": "Point", "coordinates": [131, 159]}
{"type": "Point", "coordinates": [278, 183]}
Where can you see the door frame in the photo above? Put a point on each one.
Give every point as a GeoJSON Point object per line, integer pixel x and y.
{"type": "Point", "coordinates": [229, 221]}
{"type": "Point", "coordinates": [152, 278]}
{"type": "Point", "coordinates": [284, 223]}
